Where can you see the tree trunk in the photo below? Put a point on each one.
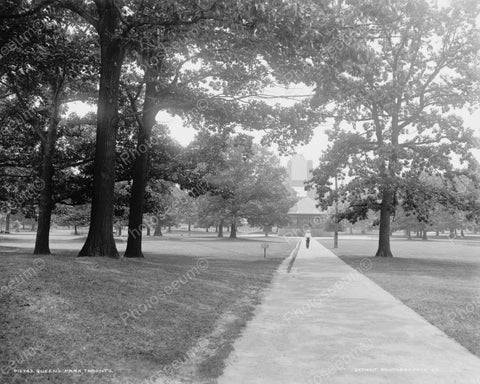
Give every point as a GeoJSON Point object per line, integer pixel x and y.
{"type": "Point", "coordinates": [462, 233]}
{"type": "Point", "coordinates": [384, 235]}
{"type": "Point", "coordinates": [7, 223]}
{"type": "Point", "coordinates": [148, 231]}
{"type": "Point", "coordinates": [424, 235]}
{"type": "Point", "coordinates": [119, 230]}
{"type": "Point", "coordinates": [76, 229]}
{"type": "Point", "coordinates": [100, 241]}
{"type": "Point", "coordinates": [189, 226]}
{"type": "Point", "coordinates": [169, 230]}
{"type": "Point", "coordinates": [45, 204]}
{"type": "Point", "coordinates": [158, 229]}
{"type": "Point", "coordinates": [409, 234]}
{"type": "Point", "coordinates": [388, 193]}
{"type": "Point", "coordinates": [220, 229]}
{"type": "Point", "coordinates": [206, 229]}
{"type": "Point", "coordinates": [265, 229]}
{"type": "Point", "coordinates": [233, 231]}
{"type": "Point", "coordinates": [141, 164]}
{"type": "Point", "coordinates": [23, 225]}
{"type": "Point", "coordinates": [34, 226]}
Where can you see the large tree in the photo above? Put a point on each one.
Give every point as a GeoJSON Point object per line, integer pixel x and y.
{"type": "Point", "coordinates": [119, 25]}
{"type": "Point", "coordinates": [115, 24]}
{"type": "Point", "coordinates": [271, 198]}
{"type": "Point", "coordinates": [207, 74]}
{"type": "Point", "coordinates": [249, 186]}
{"type": "Point", "coordinates": [393, 79]}
{"type": "Point", "coordinates": [41, 77]}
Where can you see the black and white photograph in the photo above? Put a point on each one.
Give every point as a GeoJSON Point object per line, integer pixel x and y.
{"type": "Point", "coordinates": [240, 192]}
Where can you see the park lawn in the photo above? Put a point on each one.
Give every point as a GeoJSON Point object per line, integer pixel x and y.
{"type": "Point", "coordinates": [440, 280]}
{"type": "Point", "coordinates": [73, 313]}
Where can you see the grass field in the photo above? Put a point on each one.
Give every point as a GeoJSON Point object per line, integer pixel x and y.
{"type": "Point", "coordinates": [173, 314]}
{"type": "Point", "coordinates": [440, 280]}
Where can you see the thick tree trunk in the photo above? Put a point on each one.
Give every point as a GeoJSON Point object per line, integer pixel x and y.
{"type": "Point", "coordinates": [265, 230]}
{"type": "Point", "coordinates": [7, 223]}
{"type": "Point", "coordinates": [100, 241]}
{"type": "Point", "coordinates": [387, 171]}
{"type": "Point", "coordinates": [76, 229]}
{"type": "Point", "coordinates": [220, 229]}
{"type": "Point", "coordinates": [45, 204]}
{"type": "Point", "coordinates": [424, 235]}
{"type": "Point", "coordinates": [233, 231]}
{"type": "Point", "coordinates": [169, 229]}
{"type": "Point", "coordinates": [140, 173]}
{"type": "Point", "coordinates": [384, 235]}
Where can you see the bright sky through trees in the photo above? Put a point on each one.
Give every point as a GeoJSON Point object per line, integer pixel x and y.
{"type": "Point", "coordinates": [184, 134]}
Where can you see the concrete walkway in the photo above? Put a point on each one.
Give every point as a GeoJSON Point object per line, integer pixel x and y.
{"type": "Point", "coordinates": [326, 323]}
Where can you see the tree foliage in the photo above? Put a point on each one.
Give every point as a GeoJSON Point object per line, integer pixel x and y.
{"type": "Point", "coordinates": [249, 185]}
{"type": "Point", "coordinates": [394, 79]}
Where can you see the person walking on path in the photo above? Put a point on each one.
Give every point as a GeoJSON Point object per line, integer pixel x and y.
{"type": "Point", "coordinates": [308, 236]}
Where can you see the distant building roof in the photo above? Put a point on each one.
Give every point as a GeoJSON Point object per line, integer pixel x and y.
{"type": "Point", "coordinates": [305, 206]}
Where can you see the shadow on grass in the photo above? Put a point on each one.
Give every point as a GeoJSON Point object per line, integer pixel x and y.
{"type": "Point", "coordinates": [82, 309]}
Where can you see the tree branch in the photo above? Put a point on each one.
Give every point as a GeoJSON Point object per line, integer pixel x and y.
{"type": "Point", "coordinates": [74, 6]}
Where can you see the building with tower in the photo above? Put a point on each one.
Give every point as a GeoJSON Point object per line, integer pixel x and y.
{"type": "Point", "coordinates": [304, 214]}
{"type": "Point", "coordinates": [299, 170]}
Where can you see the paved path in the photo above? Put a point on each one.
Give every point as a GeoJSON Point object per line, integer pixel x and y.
{"type": "Point", "coordinates": [325, 323]}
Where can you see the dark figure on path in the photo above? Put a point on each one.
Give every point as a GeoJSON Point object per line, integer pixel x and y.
{"type": "Point", "coordinates": [308, 235]}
